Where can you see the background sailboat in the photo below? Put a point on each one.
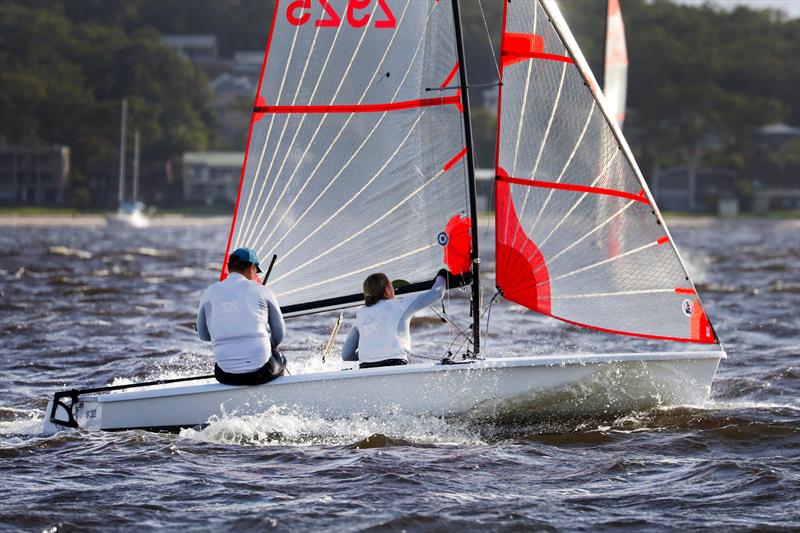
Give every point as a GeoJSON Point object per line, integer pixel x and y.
{"type": "Point", "coordinates": [615, 74]}
{"type": "Point", "coordinates": [130, 213]}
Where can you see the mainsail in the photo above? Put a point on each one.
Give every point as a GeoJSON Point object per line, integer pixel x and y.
{"type": "Point", "coordinates": [615, 74]}
{"type": "Point", "coordinates": [355, 160]}
{"type": "Point", "coordinates": [579, 237]}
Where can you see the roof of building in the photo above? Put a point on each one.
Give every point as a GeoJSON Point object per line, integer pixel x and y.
{"type": "Point", "coordinates": [214, 159]}
{"type": "Point", "coordinates": [255, 57]}
{"type": "Point", "coordinates": [779, 128]}
{"type": "Point", "coordinates": [189, 39]}
{"type": "Point", "coordinates": [227, 84]}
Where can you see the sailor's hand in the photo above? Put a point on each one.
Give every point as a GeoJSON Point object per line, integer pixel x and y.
{"type": "Point", "coordinates": [455, 280]}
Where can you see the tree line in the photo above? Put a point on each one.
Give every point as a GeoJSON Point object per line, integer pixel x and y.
{"type": "Point", "coordinates": [694, 72]}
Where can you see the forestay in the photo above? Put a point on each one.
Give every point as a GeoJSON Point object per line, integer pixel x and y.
{"type": "Point", "coordinates": [355, 159]}
{"type": "Point", "coordinates": [578, 234]}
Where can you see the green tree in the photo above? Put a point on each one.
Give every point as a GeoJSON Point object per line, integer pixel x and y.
{"type": "Point", "coordinates": [63, 82]}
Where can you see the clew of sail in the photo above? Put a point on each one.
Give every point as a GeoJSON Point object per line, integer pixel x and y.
{"type": "Point", "coordinates": [355, 158]}
{"type": "Point", "coordinates": [615, 76]}
{"type": "Point", "coordinates": [579, 237]}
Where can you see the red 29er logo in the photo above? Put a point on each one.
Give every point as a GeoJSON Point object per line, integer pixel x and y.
{"type": "Point", "coordinates": [297, 14]}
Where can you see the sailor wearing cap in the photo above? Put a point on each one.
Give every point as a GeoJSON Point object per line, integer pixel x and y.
{"type": "Point", "coordinates": [243, 321]}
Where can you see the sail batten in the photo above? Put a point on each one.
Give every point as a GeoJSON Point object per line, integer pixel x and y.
{"type": "Point", "coordinates": [360, 108]}
{"type": "Point", "coordinates": [579, 237]}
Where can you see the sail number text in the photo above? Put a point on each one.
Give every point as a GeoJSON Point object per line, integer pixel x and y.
{"type": "Point", "coordinates": [297, 14]}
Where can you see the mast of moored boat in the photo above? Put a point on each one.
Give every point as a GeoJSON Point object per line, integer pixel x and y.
{"type": "Point", "coordinates": [475, 308]}
{"type": "Point", "coordinates": [135, 195]}
{"type": "Point", "coordinates": [124, 113]}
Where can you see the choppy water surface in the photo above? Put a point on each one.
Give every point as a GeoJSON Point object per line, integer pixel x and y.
{"type": "Point", "coordinates": [90, 306]}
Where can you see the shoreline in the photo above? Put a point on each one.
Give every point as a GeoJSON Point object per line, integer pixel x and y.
{"type": "Point", "coordinates": [164, 220]}
{"type": "Point", "coordinates": [99, 220]}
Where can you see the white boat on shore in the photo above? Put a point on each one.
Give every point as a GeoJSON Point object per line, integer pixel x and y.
{"type": "Point", "coordinates": [360, 159]}
{"type": "Point", "coordinates": [129, 214]}
{"type": "Point", "coordinates": [519, 387]}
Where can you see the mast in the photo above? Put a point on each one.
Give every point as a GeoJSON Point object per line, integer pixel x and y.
{"type": "Point", "coordinates": [475, 308]}
{"type": "Point", "coordinates": [605, 47]}
{"type": "Point", "coordinates": [124, 112]}
{"type": "Point", "coordinates": [135, 195]}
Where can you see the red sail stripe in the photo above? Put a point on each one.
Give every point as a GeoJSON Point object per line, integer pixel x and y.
{"type": "Point", "coordinates": [516, 47]}
{"type": "Point", "coordinates": [253, 119]}
{"type": "Point", "coordinates": [359, 108]}
{"type": "Point", "coordinates": [547, 57]}
{"type": "Point", "coordinates": [634, 334]}
{"type": "Point", "coordinates": [681, 290]}
{"type": "Point", "coordinates": [663, 240]}
{"type": "Point", "coordinates": [260, 102]}
{"type": "Point", "coordinates": [574, 188]}
{"type": "Point", "coordinates": [450, 164]}
{"type": "Point", "coordinates": [450, 76]}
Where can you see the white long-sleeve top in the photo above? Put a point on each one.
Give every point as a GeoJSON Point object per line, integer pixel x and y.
{"type": "Point", "coordinates": [382, 330]}
{"type": "Point", "coordinates": [243, 321]}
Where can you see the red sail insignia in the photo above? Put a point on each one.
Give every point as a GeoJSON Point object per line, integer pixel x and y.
{"type": "Point", "coordinates": [522, 273]}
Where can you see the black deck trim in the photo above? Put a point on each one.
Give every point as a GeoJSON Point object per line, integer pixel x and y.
{"type": "Point", "coordinates": [349, 300]}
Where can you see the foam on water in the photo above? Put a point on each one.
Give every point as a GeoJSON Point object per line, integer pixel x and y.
{"type": "Point", "coordinates": [282, 426]}
{"type": "Point", "coordinates": [19, 423]}
{"type": "Point", "coordinates": [70, 252]}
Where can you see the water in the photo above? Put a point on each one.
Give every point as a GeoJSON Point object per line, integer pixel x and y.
{"type": "Point", "coordinates": [88, 306]}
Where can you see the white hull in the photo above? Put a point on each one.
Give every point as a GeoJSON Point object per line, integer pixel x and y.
{"type": "Point", "coordinates": [524, 387]}
{"type": "Point", "coordinates": [136, 219]}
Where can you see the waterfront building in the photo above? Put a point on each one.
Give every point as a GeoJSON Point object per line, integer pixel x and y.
{"type": "Point", "coordinates": [211, 178]}
{"type": "Point", "coordinates": [248, 62]}
{"type": "Point", "coordinates": [34, 175]}
{"type": "Point", "coordinates": [200, 49]}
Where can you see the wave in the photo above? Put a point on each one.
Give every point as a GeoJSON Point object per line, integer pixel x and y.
{"type": "Point", "coordinates": [282, 426]}
{"type": "Point", "coordinates": [70, 252]}
{"type": "Point", "coordinates": [286, 427]}
{"type": "Point", "coordinates": [715, 423]}
{"type": "Point", "coordinates": [19, 423]}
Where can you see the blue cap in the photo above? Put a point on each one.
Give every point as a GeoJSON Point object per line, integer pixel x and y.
{"type": "Point", "coordinates": [246, 255]}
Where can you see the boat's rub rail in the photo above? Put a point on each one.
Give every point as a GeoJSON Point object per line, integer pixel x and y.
{"type": "Point", "coordinates": [489, 364]}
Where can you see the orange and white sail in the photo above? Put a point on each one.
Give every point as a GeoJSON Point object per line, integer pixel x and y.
{"type": "Point", "coordinates": [578, 234]}
{"type": "Point", "coordinates": [615, 80]}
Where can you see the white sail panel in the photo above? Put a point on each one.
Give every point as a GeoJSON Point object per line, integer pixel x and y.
{"type": "Point", "coordinates": [355, 158]}
{"type": "Point", "coordinates": [578, 235]}
{"type": "Point", "coordinates": [615, 76]}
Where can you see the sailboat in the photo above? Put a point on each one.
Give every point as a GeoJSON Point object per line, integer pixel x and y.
{"type": "Point", "coordinates": [130, 213]}
{"type": "Point", "coordinates": [615, 68]}
{"type": "Point", "coordinates": [360, 159]}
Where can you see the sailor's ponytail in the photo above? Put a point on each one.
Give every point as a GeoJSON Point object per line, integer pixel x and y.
{"type": "Point", "coordinates": [375, 287]}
